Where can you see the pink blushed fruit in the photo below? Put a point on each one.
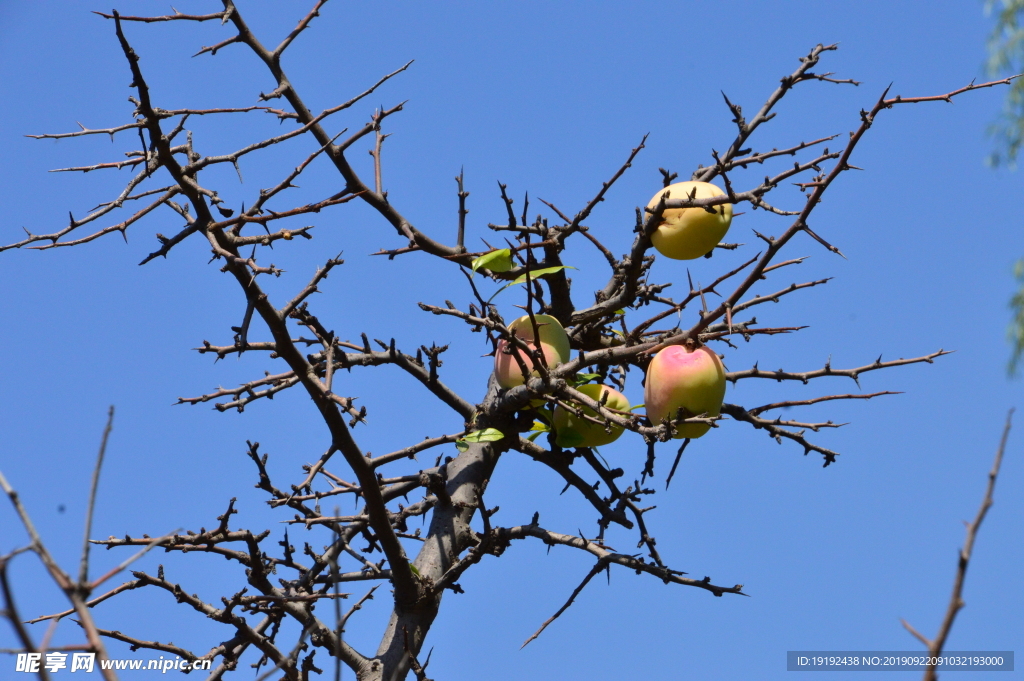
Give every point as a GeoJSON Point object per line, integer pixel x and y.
{"type": "Point", "coordinates": [507, 370]}
{"type": "Point", "coordinates": [554, 345]}
{"type": "Point", "coordinates": [691, 380]}
{"type": "Point", "coordinates": [551, 332]}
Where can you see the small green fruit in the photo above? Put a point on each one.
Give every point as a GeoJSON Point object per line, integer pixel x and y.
{"type": "Point", "coordinates": [572, 431]}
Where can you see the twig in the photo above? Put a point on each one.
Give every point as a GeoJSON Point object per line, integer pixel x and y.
{"type": "Point", "coordinates": [127, 586]}
{"type": "Point", "coordinates": [10, 611]}
{"type": "Point", "coordinates": [125, 563]}
{"type": "Point", "coordinates": [460, 239]}
{"type": "Point", "coordinates": [956, 601]}
{"type": "Point", "coordinates": [600, 565]}
{"type": "Point", "coordinates": [675, 462]}
{"type": "Point", "coordinates": [61, 578]}
{"type": "Point", "coordinates": [827, 370]}
{"type": "Point", "coordinates": [83, 570]}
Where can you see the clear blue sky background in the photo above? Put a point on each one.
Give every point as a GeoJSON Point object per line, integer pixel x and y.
{"type": "Point", "coordinates": [548, 98]}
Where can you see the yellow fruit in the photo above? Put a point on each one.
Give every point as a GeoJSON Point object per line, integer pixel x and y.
{"type": "Point", "coordinates": [688, 233]}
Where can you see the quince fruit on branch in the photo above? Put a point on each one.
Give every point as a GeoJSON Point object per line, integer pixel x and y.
{"type": "Point", "coordinates": [688, 233]}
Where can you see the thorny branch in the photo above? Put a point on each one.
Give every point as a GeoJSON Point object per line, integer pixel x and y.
{"type": "Point", "coordinates": [286, 587]}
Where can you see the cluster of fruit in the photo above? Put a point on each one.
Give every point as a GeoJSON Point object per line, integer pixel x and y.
{"type": "Point", "coordinates": [681, 380]}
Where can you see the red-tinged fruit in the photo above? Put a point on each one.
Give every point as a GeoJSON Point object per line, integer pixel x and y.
{"type": "Point", "coordinates": [691, 380]}
{"type": "Point", "coordinates": [573, 431]}
{"type": "Point", "coordinates": [554, 347]}
{"type": "Point", "coordinates": [550, 330]}
{"type": "Point", "coordinates": [507, 370]}
{"type": "Point", "coordinates": [688, 233]}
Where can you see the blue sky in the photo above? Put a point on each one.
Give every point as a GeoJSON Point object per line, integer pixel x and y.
{"type": "Point", "coordinates": [547, 98]}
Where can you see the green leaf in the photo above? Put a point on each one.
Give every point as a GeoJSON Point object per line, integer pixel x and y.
{"type": "Point", "coordinates": [620, 311]}
{"type": "Point", "coordinates": [1016, 330]}
{"type": "Point", "coordinates": [533, 437]}
{"type": "Point", "coordinates": [499, 260]}
{"type": "Point", "coordinates": [542, 427]}
{"type": "Point", "coordinates": [414, 569]}
{"type": "Point", "coordinates": [485, 435]}
{"type": "Point", "coordinates": [585, 378]}
{"type": "Point", "coordinates": [541, 272]}
{"type": "Point", "coordinates": [534, 274]}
